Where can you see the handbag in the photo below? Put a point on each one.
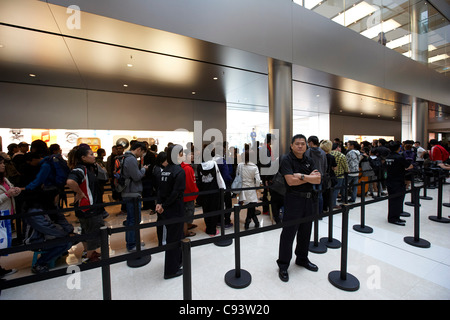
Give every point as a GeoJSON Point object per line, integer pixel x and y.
{"type": "Point", "coordinates": [278, 184]}
{"type": "Point", "coordinates": [5, 231]}
{"type": "Point", "coordinates": [237, 182]}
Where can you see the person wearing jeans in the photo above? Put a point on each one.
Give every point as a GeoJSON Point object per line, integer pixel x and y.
{"type": "Point", "coordinates": [133, 175]}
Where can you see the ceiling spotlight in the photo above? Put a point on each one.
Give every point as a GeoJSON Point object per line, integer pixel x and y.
{"type": "Point", "coordinates": [129, 65]}
{"type": "Point", "coordinates": [215, 78]}
{"type": "Point", "coordinates": [193, 92]}
{"type": "Point", "coordinates": [32, 75]}
{"type": "Point", "coordinates": [125, 85]}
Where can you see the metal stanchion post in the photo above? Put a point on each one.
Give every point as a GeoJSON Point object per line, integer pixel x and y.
{"type": "Point", "coordinates": [106, 270]}
{"type": "Point", "coordinates": [187, 269]}
{"type": "Point", "coordinates": [342, 279]}
{"type": "Point", "coordinates": [237, 278]}
{"type": "Point", "coordinates": [439, 217]}
{"type": "Point", "coordinates": [329, 241]}
{"type": "Point", "coordinates": [316, 246]}
{"type": "Point", "coordinates": [144, 260]}
{"type": "Point", "coordinates": [362, 227]}
{"type": "Point", "coordinates": [416, 240]}
{"type": "Point", "coordinates": [426, 182]}
{"type": "Point", "coordinates": [225, 242]}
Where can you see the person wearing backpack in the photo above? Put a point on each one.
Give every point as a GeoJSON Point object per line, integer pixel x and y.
{"type": "Point", "coordinates": [83, 181]}
{"type": "Point", "coordinates": [132, 176]}
{"type": "Point", "coordinates": [51, 177]}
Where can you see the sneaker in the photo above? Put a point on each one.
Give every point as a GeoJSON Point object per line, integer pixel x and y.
{"type": "Point", "coordinates": [84, 257]}
{"type": "Point", "coordinates": [95, 256]}
{"type": "Point", "coordinates": [6, 272]}
{"type": "Point", "coordinates": [37, 269]}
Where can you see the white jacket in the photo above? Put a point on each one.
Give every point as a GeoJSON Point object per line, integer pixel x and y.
{"type": "Point", "coordinates": [250, 178]}
{"type": "Point", "coordinates": [6, 203]}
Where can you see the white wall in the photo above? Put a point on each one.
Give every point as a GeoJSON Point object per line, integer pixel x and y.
{"type": "Point", "coordinates": [31, 106]}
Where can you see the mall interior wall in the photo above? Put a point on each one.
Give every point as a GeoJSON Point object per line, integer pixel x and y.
{"type": "Point", "coordinates": [282, 30]}
{"type": "Point", "coordinates": [34, 106]}
{"type": "Point", "coordinates": [347, 125]}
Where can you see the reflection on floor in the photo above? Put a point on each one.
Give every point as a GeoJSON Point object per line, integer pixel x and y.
{"type": "Point", "coordinates": [386, 267]}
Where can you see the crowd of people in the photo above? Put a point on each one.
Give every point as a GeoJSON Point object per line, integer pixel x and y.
{"type": "Point", "coordinates": [35, 178]}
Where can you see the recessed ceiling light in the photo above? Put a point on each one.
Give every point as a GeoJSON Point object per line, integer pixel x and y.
{"type": "Point", "coordinates": [125, 85]}
{"type": "Point", "coordinates": [193, 92]}
{"type": "Point", "coordinates": [32, 75]}
{"type": "Point", "coordinates": [129, 65]}
{"type": "Point", "coordinates": [215, 78]}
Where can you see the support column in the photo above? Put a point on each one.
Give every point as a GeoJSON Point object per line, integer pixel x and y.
{"type": "Point", "coordinates": [419, 53]}
{"type": "Point", "coordinates": [280, 102]}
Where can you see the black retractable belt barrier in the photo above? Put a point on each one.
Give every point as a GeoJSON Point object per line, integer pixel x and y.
{"type": "Point", "coordinates": [316, 246]}
{"type": "Point", "coordinates": [329, 241]}
{"type": "Point", "coordinates": [426, 182]}
{"type": "Point", "coordinates": [342, 279]}
{"type": "Point", "coordinates": [411, 203]}
{"type": "Point", "coordinates": [362, 227]}
{"type": "Point", "coordinates": [142, 260]}
{"type": "Point", "coordinates": [416, 240]}
{"type": "Point", "coordinates": [106, 270]}
{"type": "Point", "coordinates": [187, 269]}
{"type": "Point", "coordinates": [237, 278]}
{"type": "Point", "coordinates": [439, 217]}
{"type": "Point", "coordinates": [224, 242]}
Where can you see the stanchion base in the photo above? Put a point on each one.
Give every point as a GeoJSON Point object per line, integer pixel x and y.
{"type": "Point", "coordinates": [411, 204]}
{"type": "Point", "coordinates": [333, 244]}
{"type": "Point", "coordinates": [349, 284]}
{"type": "Point", "coordinates": [238, 283]}
{"type": "Point", "coordinates": [362, 229]}
{"type": "Point", "coordinates": [224, 243]}
{"type": "Point", "coordinates": [139, 262]}
{"type": "Point", "coordinates": [421, 243]}
{"type": "Point", "coordinates": [437, 219]}
{"type": "Point", "coordinates": [426, 198]}
{"type": "Point", "coordinates": [405, 214]}
{"type": "Point", "coordinates": [319, 248]}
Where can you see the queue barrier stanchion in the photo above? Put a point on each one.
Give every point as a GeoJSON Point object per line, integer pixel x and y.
{"type": "Point", "coordinates": [225, 242]}
{"type": "Point", "coordinates": [426, 182]}
{"type": "Point", "coordinates": [237, 278]}
{"type": "Point", "coordinates": [413, 199]}
{"type": "Point", "coordinates": [316, 246]}
{"type": "Point", "coordinates": [329, 241]}
{"type": "Point", "coordinates": [438, 217]}
{"type": "Point", "coordinates": [416, 241]}
{"type": "Point", "coordinates": [106, 268]}
{"type": "Point", "coordinates": [362, 227]}
{"type": "Point", "coordinates": [187, 269]}
{"type": "Point", "coordinates": [341, 279]}
{"type": "Point", "coordinates": [142, 260]}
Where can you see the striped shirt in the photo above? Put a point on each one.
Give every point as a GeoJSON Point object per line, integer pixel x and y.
{"type": "Point", "coordinates": [342, 165]}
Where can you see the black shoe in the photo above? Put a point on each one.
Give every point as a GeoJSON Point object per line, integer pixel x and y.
{"type": "Point", "coordinates": [308, 265]}
{"type": "Point", "coordinates": [398, 222]}
{"type": "Point", "coordinates": [176, 274]}
{"type": "Point", "coordinates": [284, 276]}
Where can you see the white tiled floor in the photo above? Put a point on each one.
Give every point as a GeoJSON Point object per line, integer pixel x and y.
{"type": "Point", "coordinates": [386, 267]}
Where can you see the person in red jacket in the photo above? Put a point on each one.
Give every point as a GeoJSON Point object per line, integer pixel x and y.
{"type": "Point", "coordinates": [191, 187]}
{"type": "Point", "coordinates": [438, 152]}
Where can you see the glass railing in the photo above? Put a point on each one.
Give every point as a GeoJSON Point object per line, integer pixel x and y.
{"type": "Point", "coordinates": [413, 28]}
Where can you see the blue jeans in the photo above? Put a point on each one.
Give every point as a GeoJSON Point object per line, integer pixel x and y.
{"type": "Point", "coordinates": [340, 183]}
{"type": "Point", "coordinates": [130, 236]}
{"type": "Point", "coordinates": [353, 181]}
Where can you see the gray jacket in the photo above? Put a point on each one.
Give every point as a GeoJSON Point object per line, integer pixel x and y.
{"type": "Point", "coordinates": [133, 175]}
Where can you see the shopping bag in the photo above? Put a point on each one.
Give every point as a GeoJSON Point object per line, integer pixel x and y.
{"type": "Point", "coordinates": [5, 230]}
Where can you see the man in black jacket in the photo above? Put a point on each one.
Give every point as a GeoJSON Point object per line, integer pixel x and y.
{"type": "Point", "coordinates": [170, 205]}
